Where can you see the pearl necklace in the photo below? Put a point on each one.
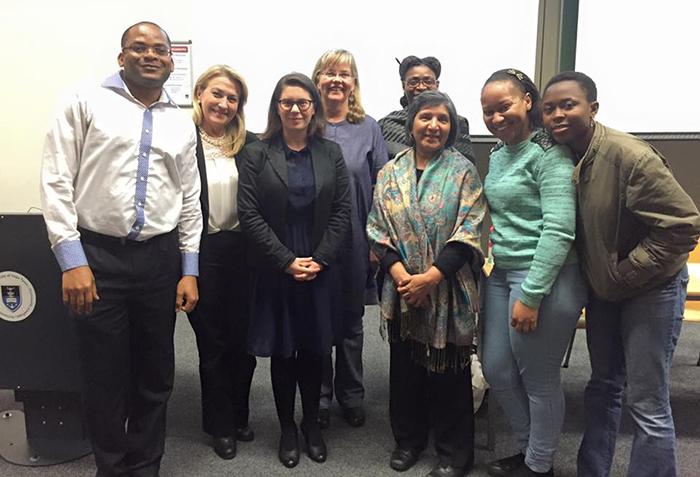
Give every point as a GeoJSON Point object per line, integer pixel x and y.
{"type": "Point", "coordinates": [219, 142]}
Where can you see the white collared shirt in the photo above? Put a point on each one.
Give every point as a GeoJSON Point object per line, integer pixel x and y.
{"type": "Point", "coordinates": [117, 168]}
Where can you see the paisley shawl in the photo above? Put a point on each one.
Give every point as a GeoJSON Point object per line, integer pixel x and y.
{"type": "Point", "coordinates": [417, 221]}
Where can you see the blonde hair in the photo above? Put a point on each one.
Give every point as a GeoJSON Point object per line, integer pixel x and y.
{"type": "Point", "coordinates": [235, 130]}
{"type": "Point", "coordinates": [356, 113]}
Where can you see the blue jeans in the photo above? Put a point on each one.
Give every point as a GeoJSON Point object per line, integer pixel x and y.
{"type": "Point", "coordinates": [524, 369]}
{"type": "Point", "coordinates": [632, 343]}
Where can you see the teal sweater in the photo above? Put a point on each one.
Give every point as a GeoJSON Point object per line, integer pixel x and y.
{"type": "Point", "coordinates": [532, 202]}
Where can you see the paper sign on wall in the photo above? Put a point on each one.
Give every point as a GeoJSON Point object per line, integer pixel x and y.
{"type": "Point", "coordinates": [179, 85]}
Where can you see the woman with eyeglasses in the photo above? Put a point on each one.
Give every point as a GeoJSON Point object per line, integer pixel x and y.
{"type": "Point", "coordinates": [294, 206]}
{"type": "Point", "coordinates": [365, 153]}
{"type": "Point", "coordinates": [418, 75]}
{"type": "Point", "coordinates": [220, 320]}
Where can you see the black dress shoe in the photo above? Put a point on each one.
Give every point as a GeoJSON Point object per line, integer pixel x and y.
{"type": "Point", "coordinates": [225, 447]}
{"type": "Point", "coordinates": [449, 471]}
{"type": "Point", "coordinates": [315, 445]}
{"type": "Point", "coordinates": [355, 416]}
{"type": "Point", "coordinates": [289, 449]}
{"type": "Point", "coordinates": [324, 418]}
{"type": "Point", "coordinates": [403, 459]}
{"type": "Point", "coordinates": [506, 466]}
{"type": "Point", "coordinates": [245, 434]}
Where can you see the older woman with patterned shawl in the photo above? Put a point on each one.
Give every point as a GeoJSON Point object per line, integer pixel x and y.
{"type": "Point", "coordinates": [425, 227]}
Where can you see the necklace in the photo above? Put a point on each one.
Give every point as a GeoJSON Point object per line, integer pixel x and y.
{"type": "Point", "coordinates": [220, 142]}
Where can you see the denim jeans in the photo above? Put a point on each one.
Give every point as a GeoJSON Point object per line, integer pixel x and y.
{"type": "Point", "coordinates": [632, 343]}
{"type": "Point", "coordinates": [524, 369]}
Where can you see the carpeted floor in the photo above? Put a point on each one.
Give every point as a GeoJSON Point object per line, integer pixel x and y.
{"type": "Point", "coordinates": [365, 451]}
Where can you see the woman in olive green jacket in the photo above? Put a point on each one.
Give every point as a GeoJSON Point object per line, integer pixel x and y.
{"type": "Point", "coordinates": [636, 227]}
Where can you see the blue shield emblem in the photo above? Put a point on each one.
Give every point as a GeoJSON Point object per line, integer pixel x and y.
{"type": "Point", "coordinates": [11, 297]}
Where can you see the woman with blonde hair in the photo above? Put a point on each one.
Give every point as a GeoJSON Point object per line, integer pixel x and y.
{"type": "Point", "coordinates": [220, 320]}
{"type": "Point", "coordinates": [365, 153]}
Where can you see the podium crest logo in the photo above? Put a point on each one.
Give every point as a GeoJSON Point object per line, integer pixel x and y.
{"type": "Point", "coordinates": [18, 296]}
{"type": "Point", "coordinates": [11, 296]}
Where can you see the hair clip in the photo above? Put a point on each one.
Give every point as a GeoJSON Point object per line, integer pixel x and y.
{"type": "Point", "coordinates": [516, 74]}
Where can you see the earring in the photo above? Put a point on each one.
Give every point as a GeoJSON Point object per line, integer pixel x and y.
{"type": "Point", "coordinates": [592, 121]}
{"type": "Point", "coordinates": [351, 99]}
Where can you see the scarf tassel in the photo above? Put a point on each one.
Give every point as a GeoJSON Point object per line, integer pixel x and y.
{"type": "Point", "coordinates": [451, 358]}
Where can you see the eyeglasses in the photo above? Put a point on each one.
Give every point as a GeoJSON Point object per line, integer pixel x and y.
{"type": "Point", "coordinates": [330, 74]}
{"type": "Point", "coordinates": [414, 82]}
{"type": "Point", "coordinates": [142, 48]}
{"type": "Point", "coordinates": [288, 104]}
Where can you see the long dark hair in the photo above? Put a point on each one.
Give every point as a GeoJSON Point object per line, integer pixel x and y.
{"type": "Point", "coordinates": [317, 126]}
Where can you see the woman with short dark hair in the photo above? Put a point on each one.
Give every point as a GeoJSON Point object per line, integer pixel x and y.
{"type": "Point", "coordinates": [636, 227]}
{"type": "Point", "coordinates": [419, 75]}
{"type": "Point", "coordinates": [425, 227]}
{"type": "Point", "coordinates": [294, 207]}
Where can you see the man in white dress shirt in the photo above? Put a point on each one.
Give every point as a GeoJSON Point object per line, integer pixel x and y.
{"type": "Point", "coordinates": [120, 195]}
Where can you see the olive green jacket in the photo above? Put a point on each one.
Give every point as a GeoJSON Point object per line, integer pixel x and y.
{"type": "Point", "coordinates": [636, 225]}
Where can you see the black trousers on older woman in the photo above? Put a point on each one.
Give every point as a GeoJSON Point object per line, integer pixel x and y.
{"type": "Point", "coordinates": [220, 322]}
{"type": "Point", "coordinates": [420, 398]}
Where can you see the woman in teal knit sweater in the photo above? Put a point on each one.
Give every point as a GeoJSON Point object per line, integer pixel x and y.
{"type": "Point", "coordinates": [535, 293]}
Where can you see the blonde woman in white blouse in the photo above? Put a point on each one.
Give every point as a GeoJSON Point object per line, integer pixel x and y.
{"type": "Point", "coordinates": [220, 320]}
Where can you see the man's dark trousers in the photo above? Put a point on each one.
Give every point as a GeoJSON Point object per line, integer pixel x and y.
{"type": "Point", "coordinates": [126, 350]}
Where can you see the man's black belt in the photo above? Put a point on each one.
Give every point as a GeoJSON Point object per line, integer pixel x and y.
{"type": "Point", "coordinates": [97, 238]}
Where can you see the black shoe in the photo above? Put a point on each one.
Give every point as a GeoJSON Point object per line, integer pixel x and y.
{"type": "Point", "coordinates": [506, 466]}
{"type": "Point", "coordinates": [450, 471]}
{"type": "Point", "coordinates": [403, 459]}
{"type": "Point", "coordinates": [289, 448]}
{"type": "Point", "coordinates": [355, 416]}
{"type": "Point", "coordinates": [225, 447]}
{"type": "Point", "coordinates": [315, 445]}
{"type": "Point", "coordinates": [525, 471]}
{"type": "Point", "coordinates": [324, 418]}
{"type": "Point", "coordinates": [245, 434]}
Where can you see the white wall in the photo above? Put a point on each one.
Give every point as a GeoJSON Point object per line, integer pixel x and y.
{"type": "Point", "coordinates": [472, 39]}
{"type": "Point", "coordinates": [49, 45]}
{"type": "Point", "coordinates": [644, 56]}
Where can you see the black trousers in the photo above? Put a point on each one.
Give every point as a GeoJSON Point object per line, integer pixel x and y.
{"type": "Point", "coordinates": [126, 350]}
{"type": "Point", "coordinates": [306, 370]}
{"type": "Point", "coordinates": [220, 322]}
{"type": "Point", "coordinates": [419, 398]}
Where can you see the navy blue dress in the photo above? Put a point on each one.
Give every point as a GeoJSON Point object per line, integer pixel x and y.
{"type": "Point", "coordinates": [288, 315]}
